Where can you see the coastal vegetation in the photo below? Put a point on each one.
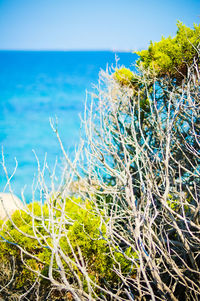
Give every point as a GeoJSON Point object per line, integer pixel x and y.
{"type": "Point", "coordinates": [125, 222]}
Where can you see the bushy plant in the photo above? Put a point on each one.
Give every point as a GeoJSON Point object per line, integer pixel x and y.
{"type": "Point", "coordinates": [82, 239]}
{"type": "Point", "coordinates": [124, 76]}
{"type": "Point", "coordinates": [172, 56]}
{"type": "Point", "coordinates": [146, 163]}
{"type": "Point", "coordinates": [134, 233]}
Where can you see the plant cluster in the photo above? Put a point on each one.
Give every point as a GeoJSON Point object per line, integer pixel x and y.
{"type": "Point", "coordinates": [173, 56]}
{"type": "Point", "coordinates": [28, 246]}
{"type": "Point", "coordinates": [130, 227]}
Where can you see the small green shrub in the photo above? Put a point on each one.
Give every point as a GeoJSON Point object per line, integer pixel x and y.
{"type": "Point", "coordinates": [86, 234]}
{"type": "Point", "coordinates": [172, 56]}
{"type": "Point", "coordinates": [124, 76]}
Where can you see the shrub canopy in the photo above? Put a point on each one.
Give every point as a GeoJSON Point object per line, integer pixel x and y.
{"type": "Point", "coordinates": [172, 56]}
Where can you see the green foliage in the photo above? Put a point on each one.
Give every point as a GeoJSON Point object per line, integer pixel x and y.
{"type": "Point", "coordinates": [178, 205]}
{"type": "Point", "coordinates": [124, 76]}
{"type": "Point", "coordinates": [169, 59]}
{"type": "Point", "coordinates": [86, 234]}
{"type": "Point", "coordinates": [172, 56]}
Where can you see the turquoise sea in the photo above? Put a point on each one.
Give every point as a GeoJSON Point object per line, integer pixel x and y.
{"type": "Point", "coordinates": [36, 86]}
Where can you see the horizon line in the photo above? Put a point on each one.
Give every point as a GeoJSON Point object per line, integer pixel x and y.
{"type": "Point", "coordinates": [72, 50]}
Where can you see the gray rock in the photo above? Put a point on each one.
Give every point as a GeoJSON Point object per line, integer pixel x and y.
{"type": "Point", "coordinates": [9, 202]}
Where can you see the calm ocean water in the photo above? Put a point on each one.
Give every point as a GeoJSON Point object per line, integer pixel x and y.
{"type": "Point", "coordinates": [35, 86]}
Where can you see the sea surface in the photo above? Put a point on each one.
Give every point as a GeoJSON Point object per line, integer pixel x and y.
{"type": "Point", "coordinates": [36, 86]}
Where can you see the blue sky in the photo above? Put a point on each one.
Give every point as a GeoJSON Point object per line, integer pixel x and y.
{"type": "Point", "coordinates": [91, 24]}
